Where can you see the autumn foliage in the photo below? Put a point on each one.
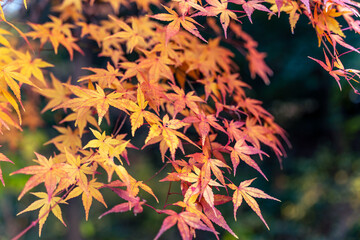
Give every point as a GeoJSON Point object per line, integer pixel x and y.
{"type": "Point", "coordinates": [169, 75]}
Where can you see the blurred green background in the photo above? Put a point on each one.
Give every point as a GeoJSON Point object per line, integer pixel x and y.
{"type": "Point", "coordinates": [319, 185]}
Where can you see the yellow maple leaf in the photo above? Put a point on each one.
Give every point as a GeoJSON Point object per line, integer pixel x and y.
{"type": "Point", "coordinates": [87, 198]}
{"type": "Point", "coordinates": [46, 205]}
{"type": "Point", "coordinates": [139, 112]}
{"type": "Point", "coordinates": [31, 67]}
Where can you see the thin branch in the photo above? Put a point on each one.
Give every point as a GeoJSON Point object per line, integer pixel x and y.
{"type": "Point", "coordinates": [167, 195]}
{"type": "Point", "coordinates": [157, 173]}
{"type": "Point", "coordinates": [121, 125]}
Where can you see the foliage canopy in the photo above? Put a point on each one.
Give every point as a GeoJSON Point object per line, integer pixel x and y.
{"type": "Point", "coordinates": [172, 77]}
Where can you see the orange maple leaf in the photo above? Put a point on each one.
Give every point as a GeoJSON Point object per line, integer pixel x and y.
{"type": "Point", "coordinates": [167, 135]}
{"type": "Point", "coordinates": [204, 122]}
{"type": "Point", "coordinates": [181, 100]}
{"type": "Point", "coordinates": [176, 21]}
{"type": "Point", "coordinates": [139, 112]}
{"type": "Point", "coordinates": [105, 77]}
{"type": "Point", "coordinates": [57, 94]}
{"type": "Point", "coordinates": [248, 193]}
{"type": "Point", "coordinates": [185, 221]}
{"type": "Point", "coordinates": [219, 7]}
{"type": "Point", "coordinates": [250, 6]}
{"type": "Point", "coordinates": [185, 5]}
{"type": "Point", "coordinates": [243, 151]}
{"type": "Point", "coordinates": [47, 172]}
{"type": "Point", "coordinates": [77, 168]}
{"type": "Point", "coordinates": [94, 98]}
{"type": "Point", "coordinates": [130, 35]}
{"type": "Point", "coordinates": [134, 203]}
{"type": "Point", "coordinates": [68, 138]}
{"type": "Point", "coordinates": [93, 192]}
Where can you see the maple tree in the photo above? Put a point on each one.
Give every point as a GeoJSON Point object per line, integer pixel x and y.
{"type": "Point", "coordinates": [163, 74]}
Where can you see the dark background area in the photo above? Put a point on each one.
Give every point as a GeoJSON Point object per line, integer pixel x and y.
{"type": "Point", "coordinates": [319, 185]}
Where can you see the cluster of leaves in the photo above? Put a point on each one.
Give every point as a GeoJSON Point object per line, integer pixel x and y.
{"type": "Point", "coordinates": [169, 79]}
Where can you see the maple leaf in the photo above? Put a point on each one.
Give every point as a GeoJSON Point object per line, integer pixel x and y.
{"type": "Point", "coordinates": [43, 33]}
{"type": "Point", "coordinates": [77, 168]}
{"type": "Point", "coordinates": [211, 87]}
{"type": "Point", "coordinates": [133, 186]}
{"type": "Point", "coordinates": [68, 138]}
{"type": "Point", "coordinates": [248, 193]}
{"type": "Point", "coordinates": [132, 203]}
{"type": "Point", "coordinates": [242, 151]}
{"type": "Point", "coordinates": [154, 94]}
{"type": "Point", "coordinates": [184, 220]}
{"type": "Point", "coordinates": [337, 39]}
{"type": "Point", "coordinates": [81, 117]}
{"type": "Point", "coordinates": [133, 69]}
{"type": "Point", "coordinates": [102, 142]}
{"type": "Point", "coordinates": [215, 216]}
{"type": "Point", "coordinates": [31, 67]}
{"type": "Point", "coordinates": [233, 130]}
{"type": "Point", "coordinates": [8, 75]}
{"type": "Point", "coordinates": [209, 165]}
{"type": "Point", "coordinates": [213, 165]}
{"type": "Point", "coordinates": [307, 5]}
{"type": "Point", "coordinates": [195, 208]}
{"type": "Point", "coordinates": [176, 21]}
{"type": "Point", "coordinates": [46, 203]}
{"type": "Point", "coordinates": [257, 133]}
{"type": "Point", "coordinates": [191, 177]}
{"type": "Point", "coordinates": [230, 83]}
{"type": "Point", "coordinates": [120, 147]}
{"type": "Point", "coordinates": [6, 118]}
{"type": "Point", "coordinates": [131, 35]}
{"type": "Point", "coordinates": [93, 192]}
{"type": "Point", "coordinates": [107, 146]}
{"type": "Point", "coordinates": [94, 98]}
{"type": "Point", "coordinates": [329, 68]}
{"type": "Point", "coordinates": [2, 15]}
{"type": "Point", "coordinates": [3, 158]}
{"type": "Point", "coordinates": [69, 13]}
{"type": "Point", "coordinates": [257, 65]}
{"type": "Point", "coordinates": [57, 33]}
{"type": "Point", "coordinates": [97, 34]}
{"type": "Point", "coordinates": [156, 66]}
{"type": "Point", "coordinates": [325, 22]}
{"type": "Point", "coordinates": [219, 7]}
{"type": "Point", "coordinates": [204, 121]}
{"type": "Point", "coordinates": [181, 100]}
{"type": "Point", "coordinates": [167, 134]}
{"type": "Point", "coordinates": [201, 184]}
{"type": "Point", "coordinates": [185, 5]}
{"type": "Point", "coordinates": [139, 113]}
{"type": "Point", "coordinates": [69, 43]}
{"type": "Point", "coordinates": [105, 78]}
{"type": "Point", "coordinates": [31, 117]}
{"type": "Point", "coordinates": [290, 7]}
{"type": "Point", "coordinates": [254, 107]}
{"type": "Point", "coordinates": [48, 172]}
{"type": "Point", "coordinates": [250, 6]}
{"type": "Point", "coordinates": [57, 93]}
